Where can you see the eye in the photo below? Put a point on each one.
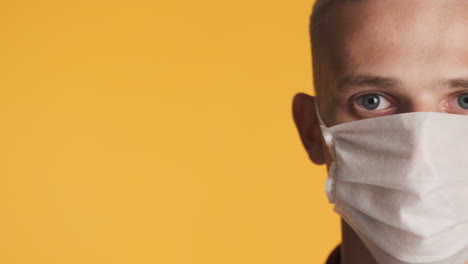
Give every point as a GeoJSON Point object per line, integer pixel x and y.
{"type": "Point", "coordinates": [463, 100]}
{"type": "Point", "coordinates": [373, 101]}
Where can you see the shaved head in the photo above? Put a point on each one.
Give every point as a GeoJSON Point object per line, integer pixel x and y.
{"type": "Point", "coordinates": [320, 29]}
{"type": "Point", "coordinates": [318, 32]}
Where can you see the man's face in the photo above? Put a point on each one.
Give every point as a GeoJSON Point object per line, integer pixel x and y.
{"type": "Point", "coordinates": [394, 56]}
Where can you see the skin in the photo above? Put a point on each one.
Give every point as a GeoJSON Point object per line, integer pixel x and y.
{"type": "Point", "coordinates": [421, 43]}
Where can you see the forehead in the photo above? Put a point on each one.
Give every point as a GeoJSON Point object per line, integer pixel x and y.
{"type": "Point", "coordinates": [418, 41]}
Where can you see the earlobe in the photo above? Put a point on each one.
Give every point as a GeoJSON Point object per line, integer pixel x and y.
{"type": "Point", "coordinates": [307, 125]}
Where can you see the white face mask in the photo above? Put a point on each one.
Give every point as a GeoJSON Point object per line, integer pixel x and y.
{"type": "Point", "coordinates": [401, 182]}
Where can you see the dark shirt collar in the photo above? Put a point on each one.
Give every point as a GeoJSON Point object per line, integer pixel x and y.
{"type": "Point", "coordinates": [335, 256]}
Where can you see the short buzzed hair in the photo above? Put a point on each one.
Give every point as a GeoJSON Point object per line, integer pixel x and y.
{"type": "Point", "coordinates": [318, 38]}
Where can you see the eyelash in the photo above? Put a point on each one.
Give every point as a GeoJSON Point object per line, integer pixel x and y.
{"type": "Point", "coordinates": [361, 97]}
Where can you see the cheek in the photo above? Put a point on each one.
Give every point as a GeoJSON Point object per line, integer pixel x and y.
{"type": "Point", "coordinates": [346, 116]}
{"type": "Point", "coordinates": [342, 113]}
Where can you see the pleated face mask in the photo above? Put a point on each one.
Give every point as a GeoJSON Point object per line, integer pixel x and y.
{"type": "Point", "coordinates": [401, 182]}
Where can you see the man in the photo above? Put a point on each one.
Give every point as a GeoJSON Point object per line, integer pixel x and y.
{"type": "Point", "coordinates": [377, 58]}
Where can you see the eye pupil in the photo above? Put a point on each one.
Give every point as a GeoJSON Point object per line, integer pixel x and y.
{"type": "Point", "coordinates": [372, 101]}
{"type": "Point", "coordinates": [463, 100]}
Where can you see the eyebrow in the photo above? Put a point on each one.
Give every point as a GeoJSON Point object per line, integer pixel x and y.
{"type": "Point", "coordinates": [454, 83]}
{"type": "Point", "coordinates": [354, 81]}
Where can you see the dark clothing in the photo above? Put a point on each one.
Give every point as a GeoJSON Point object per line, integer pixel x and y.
{"type": "Point", "coordinates": [335, 257]}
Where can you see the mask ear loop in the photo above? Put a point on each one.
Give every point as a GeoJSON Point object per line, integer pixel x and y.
{"type": "Point", "coordinates": [330, 184]}
{"type": "Point", "coordinates": [318, 113]}
{"type": "Point", "coordinates": [327, 136]}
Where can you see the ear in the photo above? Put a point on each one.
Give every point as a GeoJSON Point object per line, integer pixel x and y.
{"type": "Point", "coordinates": [308, 127]}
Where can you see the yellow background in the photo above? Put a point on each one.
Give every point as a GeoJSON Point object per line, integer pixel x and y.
{"type": "Point", "coordinates": [157, 132]}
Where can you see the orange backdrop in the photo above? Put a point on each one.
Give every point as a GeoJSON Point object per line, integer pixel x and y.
{"type": "Point", "coordinates": [157, 132]}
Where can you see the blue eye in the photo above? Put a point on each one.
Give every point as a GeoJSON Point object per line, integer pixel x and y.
{"type": "Point", "coordinates": [463, 100]}
{"type": "Point", "coordinates": [372, 101]}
